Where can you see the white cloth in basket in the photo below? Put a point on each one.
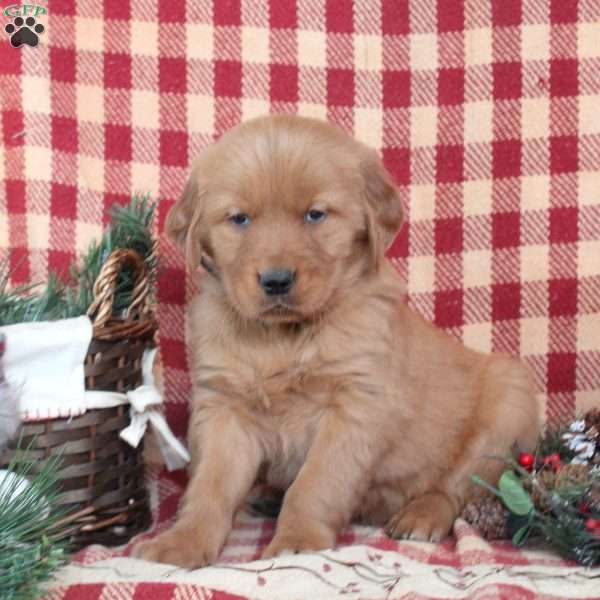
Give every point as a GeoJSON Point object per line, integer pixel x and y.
{"type": "Point", "coordinates": [44, 365]}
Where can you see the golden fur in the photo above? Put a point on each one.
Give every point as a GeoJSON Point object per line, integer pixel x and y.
{"type": "Point", "coordinates": [338, 393]}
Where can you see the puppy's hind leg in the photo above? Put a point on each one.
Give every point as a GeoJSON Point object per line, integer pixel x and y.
{"type": "Point", "coordinates": [507, 419]}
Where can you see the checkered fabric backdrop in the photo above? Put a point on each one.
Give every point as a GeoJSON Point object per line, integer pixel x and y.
{"type": "Point", "coordinates": [486, 113]}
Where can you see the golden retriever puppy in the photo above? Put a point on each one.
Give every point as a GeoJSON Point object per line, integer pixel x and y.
{"type": "Point", "coordinates": [308, 367]}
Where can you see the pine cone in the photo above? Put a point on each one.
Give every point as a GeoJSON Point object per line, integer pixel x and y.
{"type": "Point", "coordinates": [489, 516]}
{"type": "Point", "coordinates": [571, 475]}
{"type": "Point", "coordinates": [592, 419]}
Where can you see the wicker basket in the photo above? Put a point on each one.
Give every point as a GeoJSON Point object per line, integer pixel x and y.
{"type": "Point", "coordinates": [102, 477]}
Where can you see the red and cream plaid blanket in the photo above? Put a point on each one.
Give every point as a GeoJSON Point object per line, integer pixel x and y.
{"type": "Point", "coordinates": [487, 113]}
{"type": "Point", "coordinates": [366, 565]}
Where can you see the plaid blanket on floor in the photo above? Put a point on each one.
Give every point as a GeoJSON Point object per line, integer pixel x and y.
{"type": "Point", "coordinates": [366, 565]}
{"type": "Point", "coordinates": [485, 112]}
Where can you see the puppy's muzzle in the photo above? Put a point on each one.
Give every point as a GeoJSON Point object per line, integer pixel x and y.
{"type": "Point", "coordinates": [276, 282]}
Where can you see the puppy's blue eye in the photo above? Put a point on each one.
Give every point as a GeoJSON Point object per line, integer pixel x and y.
{"type": "Point", "coordinates": [315, 216]}
{"type": "Point", "coordinates": [240, 219]}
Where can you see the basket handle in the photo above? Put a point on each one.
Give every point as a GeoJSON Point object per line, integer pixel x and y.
{"type": "Point", "coordinates": [101, 308]}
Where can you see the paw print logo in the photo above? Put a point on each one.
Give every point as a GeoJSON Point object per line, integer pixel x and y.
{"type": "Point", "coordinates": [24, 31]}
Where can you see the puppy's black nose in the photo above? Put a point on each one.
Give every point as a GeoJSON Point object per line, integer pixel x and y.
{"type": "Point", "coordinates": [276, 282]}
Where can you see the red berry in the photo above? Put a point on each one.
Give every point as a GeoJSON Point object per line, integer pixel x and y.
{"type": "Point", "coordinates": [585, 507]}
{"type": "Point", "coordinates": [552, 460]}
{"type": "Point", "coordinates": [592, 524]}
{"type": "Point", "coordinates": [526, 460]}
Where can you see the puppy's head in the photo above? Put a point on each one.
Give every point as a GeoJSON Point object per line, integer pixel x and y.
{"type": "Point", "coordinates": [286, 212]}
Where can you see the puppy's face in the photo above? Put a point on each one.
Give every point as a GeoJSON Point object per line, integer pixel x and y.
{"type": "Point", "coordinates": [287, 213]}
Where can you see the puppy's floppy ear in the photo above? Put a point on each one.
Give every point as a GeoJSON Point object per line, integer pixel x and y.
{"type": "Point", "coordinates": [179, 217]}
{"type": "Point", "coordinates": [183, 219]}
{"type": "Point", "coordinates": [384, 214]}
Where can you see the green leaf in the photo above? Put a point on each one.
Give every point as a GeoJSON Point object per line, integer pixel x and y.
{"type": "Point", "coordinates": [513, 494]}
{"type": "Point", "coordinates": [521, 535]}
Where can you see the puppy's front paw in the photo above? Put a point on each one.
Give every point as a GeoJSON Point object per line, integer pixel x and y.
{"type": "Point", "coordinates": [428, 518]}
{"type": "Point", "coordinates": [180, 547]}
{"type": "Point", "coordinates": [293, 542]}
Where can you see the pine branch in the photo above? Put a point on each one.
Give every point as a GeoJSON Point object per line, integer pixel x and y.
{"type": "Point", "coordinates": [130, 227]}
{"type": "Point", "coordinates": [28, 557]}
{"type": "Point", "coordinates": [567, 533]}
{"type": "Point", "coordinates": [19, 305]}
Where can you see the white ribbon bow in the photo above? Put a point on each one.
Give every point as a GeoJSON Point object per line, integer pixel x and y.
{"type": "Point", "coordinates": [144, 401]}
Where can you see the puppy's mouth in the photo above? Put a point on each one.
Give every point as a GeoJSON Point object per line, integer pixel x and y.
{"type": "Point", "coordinates": [280, 310]}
